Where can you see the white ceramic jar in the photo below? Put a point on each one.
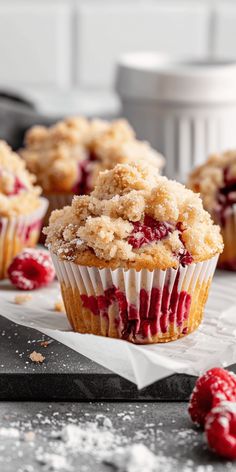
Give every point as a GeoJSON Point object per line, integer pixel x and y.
{"type": "Point", "coordinates": [186, 110]}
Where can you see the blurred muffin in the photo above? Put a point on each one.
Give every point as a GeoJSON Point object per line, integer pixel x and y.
{"type": "Point", "coordinates": [67, 157]}
{"type": "Point", "coordinates": [136, 257]}
{"type": "Point", "coordinates": [216, 182]}
{"type": "Point", "coordinates": [21, 208]}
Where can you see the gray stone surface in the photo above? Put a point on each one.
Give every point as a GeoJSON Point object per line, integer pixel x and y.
{"type": "Point", "coordinates": [67, 375]}
{"type": "Point", "coordinates": [163, 427]}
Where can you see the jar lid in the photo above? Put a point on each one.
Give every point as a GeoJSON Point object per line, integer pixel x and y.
{"type": "Point", "coordinates": [154, 76]}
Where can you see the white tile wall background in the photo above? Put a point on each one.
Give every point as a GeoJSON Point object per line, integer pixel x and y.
{"type": "Point", "coordinates": [63, 50]}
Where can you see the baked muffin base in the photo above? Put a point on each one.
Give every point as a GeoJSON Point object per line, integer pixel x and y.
{"type": "Point", "coordinates": [141, 307]}
{"type": "Point", "coordinates": [85, 321]}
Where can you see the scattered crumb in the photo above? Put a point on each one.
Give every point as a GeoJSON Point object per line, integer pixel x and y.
{"type": "Point", "coordinates": [36, 357]}
{"type": "Point", "coordinates": [46, 343]}
{"type": "Point", "coordinates": [22, 298]}
{"type": "Point", "coordinates": [59, 306]}
{"type": "Point", "coordinates": [29, 436]}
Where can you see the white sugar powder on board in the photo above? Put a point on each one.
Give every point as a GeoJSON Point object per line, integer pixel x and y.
{"type": "Point", "coordinates": [9, 432]}
{"type": "Point", "coordinates": [53, 461]}
{"type": "Point", "coordinates": [89, 438]}
{"type": "Point", "coordinates": [138, 458]}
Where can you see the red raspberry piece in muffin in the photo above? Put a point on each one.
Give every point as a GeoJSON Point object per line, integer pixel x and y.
{"type": "Point", "coordinates": [31, 269]}
{"type": "Point", "coordinates": [220, 429]}
{"type": "Point", "coordinates": [148, 231]}
{"type": "Point", "coordinates": [211, 388]}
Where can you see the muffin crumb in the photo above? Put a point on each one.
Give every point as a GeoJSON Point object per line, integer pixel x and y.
{"type": "Point", "coordinates": [20, 299]}
{"type": "Point", "coordinates": [36, 357]}
{"type": "Point", "coordinates": [59, 306]}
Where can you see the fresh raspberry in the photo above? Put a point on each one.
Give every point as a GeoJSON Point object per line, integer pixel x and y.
{"type": "Point", "coordinates": [220, 429]}
{"type": "Point", "coordinates": [211, 388]}
{"type": "Point", "coordinates": [148, 231]}
{"type": "Point", "coordinates": [31, 269]}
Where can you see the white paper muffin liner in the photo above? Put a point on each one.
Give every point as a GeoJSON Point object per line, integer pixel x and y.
{"type": "Point", "coordinates": [174, 299]}
{"type": "Point", "coordinates": [18, 232]}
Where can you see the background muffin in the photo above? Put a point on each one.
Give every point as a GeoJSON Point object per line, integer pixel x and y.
{"type": "Point", "coordinates": [21, 209]}
{"type": "Point", "coordinates": [136, 257]}
{"type": "Point", "coordinates": [216, 182]}
{"type": "Point", "coordinates": [67, 157]}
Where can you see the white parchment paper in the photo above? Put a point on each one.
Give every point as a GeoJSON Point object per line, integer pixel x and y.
{"type": "Point", "coordinates": [213, 344]}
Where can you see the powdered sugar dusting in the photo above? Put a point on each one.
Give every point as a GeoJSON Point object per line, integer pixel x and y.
{"type": "Point", "coordinates": [138, 458]}
{"type": "Point", "coordinates": [98, 437]}
{"type": "Point", "coordinates": [225, 406]}
{"type": "Point", "coordinates": [53, 461]}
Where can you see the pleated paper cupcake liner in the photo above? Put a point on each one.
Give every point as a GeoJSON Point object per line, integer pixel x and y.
{"type": "Point", "coordinates": [142, 307]}
{"type": "Point", "coordinates": [227, 259]}
{"type": "Point", "coordinates": [19, 232]}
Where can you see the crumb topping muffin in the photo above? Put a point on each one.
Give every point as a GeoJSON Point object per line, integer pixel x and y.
{"type": "Point", "coordinates": [216, 182]}
{"type": "Point", "coordinates": [137, 219]}
{"type": "Point", "coordinates": [68, 156]}
{"type": "Point", "coordinates": [18, 194]}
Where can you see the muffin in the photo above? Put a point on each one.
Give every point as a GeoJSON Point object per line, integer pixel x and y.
{"type": "Point", "coordinates": [135, 258]}
{"type": "Point", "coordinates": [21, 208]}
{"type": "Point", "coordinates": [68, 156]}
{"type": "Point", "coordinates": [216, 182]}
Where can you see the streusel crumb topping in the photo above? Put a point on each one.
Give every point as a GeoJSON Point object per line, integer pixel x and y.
{"type": "Point", "coordinates": [216, 181]}
{"type": "Point", "coordinates": [134, 218]}
{"type": "Point", "coordinates": [18, 195]}
{"type": "Point", "coordinates": [68, 156]}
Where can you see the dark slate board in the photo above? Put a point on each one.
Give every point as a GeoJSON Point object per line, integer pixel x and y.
{"type": "Point", "coordinates": [66, 375]}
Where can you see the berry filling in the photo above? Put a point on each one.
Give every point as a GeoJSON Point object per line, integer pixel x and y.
{"type": "Point", "coordinates": [31, 269]}
{"type": "Point", "coordinates": [148, 231]}
{"type": "Point", "coordinates": [226, 197]}
{"type": "Point", "coordinates": [184, 257]}
{"type": "Point", "coordinates": [151, 230]}
{"type": "Point", "coordinates": [18, 186]}
{"type": "Point", "coordinates": [82, 185]}
{"type": "Point", "coordinates": [36, 226]}
{"type": "Point", "coordinates": [156, 311]}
